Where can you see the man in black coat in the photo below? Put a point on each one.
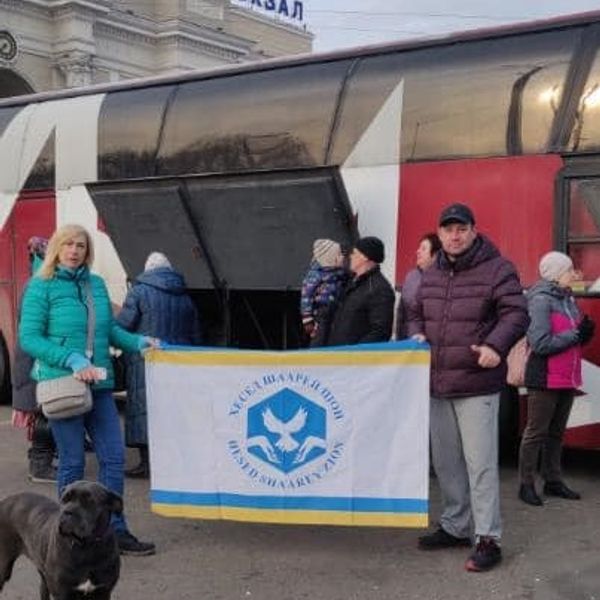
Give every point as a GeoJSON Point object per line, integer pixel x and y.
{"type": "Point", "coordinates": [366, 310]}
{"type": "Point", "coordinates": [42, 449]}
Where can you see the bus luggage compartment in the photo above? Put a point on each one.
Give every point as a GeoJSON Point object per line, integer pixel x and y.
{"type": "Point", "coordinates": [242, 242]}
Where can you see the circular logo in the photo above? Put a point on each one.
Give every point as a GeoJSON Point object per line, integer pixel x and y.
{"type": "Point", "coordinates": [290, 430]}
{"type": "Point", "coordinates": [8, 46]}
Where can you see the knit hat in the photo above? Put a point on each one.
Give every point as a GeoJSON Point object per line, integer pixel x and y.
{"type": "Point", "coordinates": [157, 260]}
{"type": "Point", "coordinates": [554, 264]}
{"type": "Point", "coordinates": [372, 247]}
{"type": "Point", "coordinates": [37, 246]}
{"type": "Point", "coordinates": [326, 252]}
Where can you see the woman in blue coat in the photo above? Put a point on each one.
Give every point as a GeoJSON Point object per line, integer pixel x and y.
{"type": "Point", "coordinates": [53, 330]}
{"type": "Point", "coordinates": [157, 305]}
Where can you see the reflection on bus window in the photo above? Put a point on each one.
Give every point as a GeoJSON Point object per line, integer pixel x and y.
{"type": "Point", "coordinates": [489, 98]}
{"type": "Point", "coordinates": [583, 238]}
{"type": "Point", "coordinates": [586, 132]}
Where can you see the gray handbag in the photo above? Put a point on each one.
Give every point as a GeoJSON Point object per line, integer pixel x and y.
{"type": "Point", "coordinates": [66, 396]}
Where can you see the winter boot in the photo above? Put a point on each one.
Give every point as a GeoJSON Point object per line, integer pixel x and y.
{"type": "Point", "coordinates": [41, 453]}
{"type": "Point", "coordinates": [41, 469]}
{"type": "Point", "coordinates": [561, 490]}
{"type": "Point", "coordinates": [141, 471]}
{"type": "Point", "coordinates": [528, 494]}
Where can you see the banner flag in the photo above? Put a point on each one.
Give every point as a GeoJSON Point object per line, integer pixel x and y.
{"type": "Point", "coordinates": [336, 436]}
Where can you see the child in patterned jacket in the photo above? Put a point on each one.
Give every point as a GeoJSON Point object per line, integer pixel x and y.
{"type": "Point", "coordinates": [321, 288]}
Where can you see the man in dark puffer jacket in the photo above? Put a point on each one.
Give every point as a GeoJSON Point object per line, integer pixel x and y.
{"type": "Point", "coordinates": [472, 310]}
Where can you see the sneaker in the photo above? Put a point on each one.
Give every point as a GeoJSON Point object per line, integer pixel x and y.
{"type": "Point", "coordinates": [42, 473]}
{"type": "Point", "coordinates": [558, 488]}
{"type": "Point", "coordinates": [487, 555]}
{"type": "Point", "coordinates": [130, 545]}
{"type": "Point", "coordinates": [442, 539]}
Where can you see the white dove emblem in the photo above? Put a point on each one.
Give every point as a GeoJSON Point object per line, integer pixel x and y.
{"type": "Point", "coordinates": [286, 443]}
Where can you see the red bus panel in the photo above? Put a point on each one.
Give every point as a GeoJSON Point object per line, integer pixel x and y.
{"type": "Point", "coordinates": [33, 214]}
{"type": "Point", "coordinates": [512, 198]}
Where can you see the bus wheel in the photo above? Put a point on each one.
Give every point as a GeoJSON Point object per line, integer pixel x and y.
{"type": "Point", "coordinates": [5, 387]}
{"type": "Point", "coordinates": [508, 425]}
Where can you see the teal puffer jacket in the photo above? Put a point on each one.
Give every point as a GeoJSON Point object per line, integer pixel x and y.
{"type": "Point", "coordinates": [54, 324]}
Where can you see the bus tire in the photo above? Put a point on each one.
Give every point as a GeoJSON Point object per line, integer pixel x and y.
{"type": "Point", "coordinates": [508, 425]}
{"type": "Point", "coordinates": [5, 385]}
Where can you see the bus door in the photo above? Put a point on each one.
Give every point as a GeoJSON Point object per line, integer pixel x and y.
{"type": "Point", "coordinates": [577, 232]}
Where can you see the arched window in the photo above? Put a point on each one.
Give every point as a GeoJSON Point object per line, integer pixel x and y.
{"type": "Point", "coordinates": [12, 84]}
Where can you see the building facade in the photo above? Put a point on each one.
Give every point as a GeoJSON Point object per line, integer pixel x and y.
{"type": "Point", "coordinates": [52, 44]}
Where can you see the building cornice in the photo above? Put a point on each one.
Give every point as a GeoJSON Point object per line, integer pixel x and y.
{"type": "Point", "coordinates": [117, 31]}
{"type": "Point", "coordinates": [27, 8]}
{"type": "Point", "coordinates": [215, 33]}
{"type": "Point", "coordinates": [205, 46]}
{"type": "Point", "coordinates": [124, 32]}
{"type": "Point", "coordinates": [174, 32]}
{"type": "Point", "coordinates": [96, 6]}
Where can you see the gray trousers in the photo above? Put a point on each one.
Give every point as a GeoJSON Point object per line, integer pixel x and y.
{"type": "Point", "coordinates": [547, 415]}
{"type": "Point", "coordinates": [464, 448]}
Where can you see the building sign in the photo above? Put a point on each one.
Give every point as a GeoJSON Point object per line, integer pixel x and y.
{"type": "Point", "coordinates": [8, 46]}
{"type": "Point", "coordinates": [290, 9]}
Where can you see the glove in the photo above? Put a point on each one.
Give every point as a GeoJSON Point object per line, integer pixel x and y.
{"type": "Point", "coordinates": [77, 362]}
{"type": "Point", "coordinates": [585, 330]}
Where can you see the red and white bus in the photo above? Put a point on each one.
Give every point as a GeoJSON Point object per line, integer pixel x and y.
{"type": "Point", "coordinates": [234, 172]}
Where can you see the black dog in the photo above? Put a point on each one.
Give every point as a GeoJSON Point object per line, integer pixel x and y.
{"type": "Point", "coordinates": [72, 543]}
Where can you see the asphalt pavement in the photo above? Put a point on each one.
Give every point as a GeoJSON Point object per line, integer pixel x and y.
{"type": "Point", "coordinates": [549, 553]}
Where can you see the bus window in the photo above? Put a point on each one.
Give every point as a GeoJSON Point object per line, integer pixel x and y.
{"type": "Point", "coordinates": [370, 84]}
{"type": "Point", "coordinates": [272, 119]}
{"type": "Point", "coordinates": [42, 174]}
{"type": "Point", "coordinates": [6, 116]}
{"type": "Point", "coordinates": [128, 132]}
{"type": "Point", "coordinates": [586, 132]}
{"type": "Point", "coordinates": [461, 99]}
{"type": "Point", "coordinates": [583, 241]}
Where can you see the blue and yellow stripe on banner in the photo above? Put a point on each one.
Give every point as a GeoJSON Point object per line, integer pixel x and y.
{"type": "Point", "coordinates": [298, 510]}
{"type": "Point", "coordinates": [407, 353]}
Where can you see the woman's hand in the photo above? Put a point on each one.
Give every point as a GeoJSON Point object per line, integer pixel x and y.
{"type": "Point", "coordinates": [146, 342]}
{"type": "Point", "coordinates": [84, 370]}
{"type": "Point", "coordinates": [90, 374]}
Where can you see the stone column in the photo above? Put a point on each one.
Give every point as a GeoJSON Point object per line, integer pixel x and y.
{"type": "Point", "coordinates": [76, 66]}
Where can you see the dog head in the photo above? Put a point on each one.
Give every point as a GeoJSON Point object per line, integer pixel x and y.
{"type": "Point", "coordinates": [85, 510]}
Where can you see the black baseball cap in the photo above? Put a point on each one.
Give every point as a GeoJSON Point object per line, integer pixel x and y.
{"type": "Point", "coordinates": [457, 213]}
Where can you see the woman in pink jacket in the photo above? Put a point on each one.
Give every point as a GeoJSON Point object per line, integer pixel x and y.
{"type": "Point", "coordinates": [556, 334]}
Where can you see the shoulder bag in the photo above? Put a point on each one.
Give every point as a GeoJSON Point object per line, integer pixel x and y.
{"type": "Point", "coordinates": [516, 362]}
{"type": "Point", "coordinates": [66, 396]}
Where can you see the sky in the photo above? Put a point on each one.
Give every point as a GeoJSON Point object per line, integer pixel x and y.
{"type": "Point", "coordinates": [345, 23]}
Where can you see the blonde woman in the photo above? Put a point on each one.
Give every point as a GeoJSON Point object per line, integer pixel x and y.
{"type": "Point", "coordinates": [53, 330]}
